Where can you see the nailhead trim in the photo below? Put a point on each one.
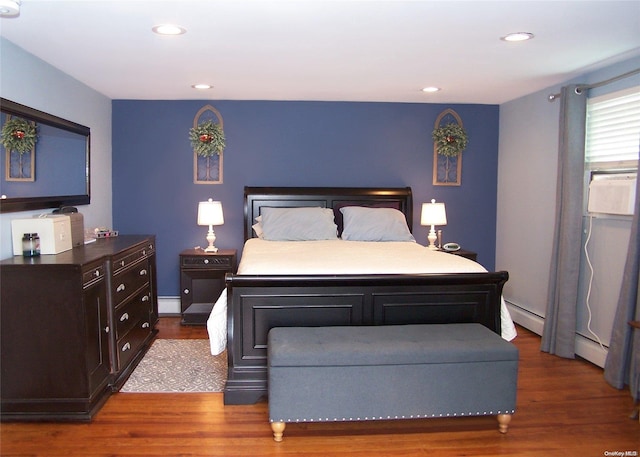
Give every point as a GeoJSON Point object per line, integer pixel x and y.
{"type": "Point", "coordinates": [416, 416]}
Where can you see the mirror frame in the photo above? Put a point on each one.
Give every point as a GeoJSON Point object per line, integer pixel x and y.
{"type": "Point", "coordinates": [8, 205]}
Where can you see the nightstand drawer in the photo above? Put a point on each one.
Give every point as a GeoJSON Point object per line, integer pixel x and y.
{"type": "Point", "coordinates": [207, 262]}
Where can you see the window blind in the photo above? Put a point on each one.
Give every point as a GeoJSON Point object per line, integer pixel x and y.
{"type": "Point", "coordinates": [613, 127]}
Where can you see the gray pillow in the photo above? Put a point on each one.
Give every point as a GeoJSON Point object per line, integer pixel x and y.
{"type": "Point", "coordinates": [298, 224]}
{"type": "Point", "coordinates": [257, 227]}
{"type": "Point", "coordinates": [374, 224]}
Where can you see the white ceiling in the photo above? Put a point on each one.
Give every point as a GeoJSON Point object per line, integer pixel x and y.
{"type": "Point", "coordinates": [334, 50]}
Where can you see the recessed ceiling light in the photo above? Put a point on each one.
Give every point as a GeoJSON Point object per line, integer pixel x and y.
{"type": "Point", "coordinates": [168, 29]}
{"type": "Point", "coordinates": [9, 8]}
{"type": "Point", "coordinates": [430, 89]}
{"type": "Point", "coordinates": [202, 86]}
{"type": "Point", "coordinates": [517, 36]}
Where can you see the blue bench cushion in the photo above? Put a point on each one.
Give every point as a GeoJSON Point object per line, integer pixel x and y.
{"type": "Point", "coordinates": [386, 345]}
{"type": "Point", "coordinates": [389, 372]}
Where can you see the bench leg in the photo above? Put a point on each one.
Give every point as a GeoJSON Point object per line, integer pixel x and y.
{"type": "Point", "coordinates": [503, 422]}
{"type": "Point", "coordinates": [278, 430]}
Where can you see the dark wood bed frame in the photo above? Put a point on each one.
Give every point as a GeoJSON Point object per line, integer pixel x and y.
{"type": "Point", "coordinates": [257, 303]}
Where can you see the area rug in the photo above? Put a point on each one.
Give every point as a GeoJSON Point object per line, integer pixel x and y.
{"type": "Point", "coordinates": [179, 366]}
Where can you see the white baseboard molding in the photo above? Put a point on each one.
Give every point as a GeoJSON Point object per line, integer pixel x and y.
{"type": "Point", "coordinates": [585, 347]}
{"type": "Point", "coordinates": [591, 351]}
{"type": "Point", "coordinates": [525, 318]}
{"type": "Point", "coordinates": [169, 306]}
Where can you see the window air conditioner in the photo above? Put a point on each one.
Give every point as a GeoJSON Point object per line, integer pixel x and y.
{"type": "Point", "coordinates": [613, 193]}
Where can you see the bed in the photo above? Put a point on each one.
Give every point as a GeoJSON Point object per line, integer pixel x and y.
{"type": "Point", "coordinates": [306, 282]}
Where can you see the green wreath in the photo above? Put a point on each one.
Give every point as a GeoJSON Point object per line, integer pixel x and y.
{"type": "Point", "coordinates": [19, 135]}
{"type": "Point", "coordinates": [207, 139]}
{"type": "Point", "coordinates": [450, 140]}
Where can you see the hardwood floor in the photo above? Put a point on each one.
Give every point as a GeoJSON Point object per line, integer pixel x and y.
{"type": "Point", "coordinates": [564, 408]}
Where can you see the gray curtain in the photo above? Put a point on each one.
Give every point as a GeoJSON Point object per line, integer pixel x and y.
{"type": "Point", "coordinates": [623, 360]}
{"type": "Point", "coordinates": [559, 330]}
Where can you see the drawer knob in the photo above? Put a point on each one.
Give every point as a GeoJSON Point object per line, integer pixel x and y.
{"type": "Point", "coordinates": [145, 298]}
{"type": "Point", "coordinates": [187, 291]}
{"type": "Point", "coordinates": [206, 261]}
{"type": "Point", "coordinates": [120, 288]}
{"type": "Point", "coordinates": [143, 272]}
{"type": "Point", "coordinates": [124, 317]}
{"type": "Point", "coordinates": [145, 325]}
{"type": "Point", "coordinates": [107, 329]}
{"type": "Point", "coordinates": [126, 347]}
{"type": "Point", "coordinates": [122, 263]}
{"type": "Point", "coordinates": [96, 273]}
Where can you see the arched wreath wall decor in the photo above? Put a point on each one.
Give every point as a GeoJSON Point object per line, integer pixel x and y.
{"type": "Point", "coordinates": [19, 138]}
{"type": "Point", "coordinates": [208, 142]}
{"type": "Point", "coordinates": [449, 140]}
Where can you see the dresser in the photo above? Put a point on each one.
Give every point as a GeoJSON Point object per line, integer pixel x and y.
{"type": "Point", "coordinates": [73, 326]}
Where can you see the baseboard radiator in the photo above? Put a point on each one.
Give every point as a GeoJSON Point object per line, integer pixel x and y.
{"type": "Point", "coordinates": [586, 348]}
{"type": "Point", "coordinates": [169, 306]}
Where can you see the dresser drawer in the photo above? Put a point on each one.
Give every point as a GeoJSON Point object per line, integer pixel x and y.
{"type": "Point", "coordinates": [92, 275]}
{"type": "Point", "coordinates": [126, 259]}
{"type": "Point", "coordinates": [125, 285]}
{"type": "Point", "coordinates": [128, 346]}
{"type": "Point", "coordinates": [127, 316]}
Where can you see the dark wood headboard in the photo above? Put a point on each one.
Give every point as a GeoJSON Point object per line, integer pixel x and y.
{"type": "Point", "coordinates": [255, 198]}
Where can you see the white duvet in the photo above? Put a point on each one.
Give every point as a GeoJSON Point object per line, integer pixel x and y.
{"type": "Point", "coordinates": [348, 257]}
{"type": "Point", "coordinates": [262, 257]}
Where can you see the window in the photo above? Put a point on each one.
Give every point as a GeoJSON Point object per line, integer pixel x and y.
{"type": "Point", "coordinates": [613, 130]}
{"type": "Point", "coordinates": [611, 152]}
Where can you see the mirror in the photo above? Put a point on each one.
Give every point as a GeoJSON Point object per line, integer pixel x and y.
{"type": "Point", "coordinates": [54, 173]}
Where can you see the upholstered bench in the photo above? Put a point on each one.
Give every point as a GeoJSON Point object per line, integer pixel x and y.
{"type": "Point", "coordinates": [321, 374]}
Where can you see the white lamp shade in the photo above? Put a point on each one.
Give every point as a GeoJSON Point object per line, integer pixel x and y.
{"type": "Point", "coordinates": [210, 213]}
{"type": "Point", "coordinates": [433, 214]}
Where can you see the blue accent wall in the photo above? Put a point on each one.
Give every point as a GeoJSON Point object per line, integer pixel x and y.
{"type": "Point", "coordinates": [293, 144]}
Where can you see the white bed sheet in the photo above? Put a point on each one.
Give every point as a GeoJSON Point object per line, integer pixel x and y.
{"type": "Point", "coordinates": [217, 325]}
{"type": "Point", "coordinates": [348, 257]}
{"type": "Point", "coordinates": [342, 257]}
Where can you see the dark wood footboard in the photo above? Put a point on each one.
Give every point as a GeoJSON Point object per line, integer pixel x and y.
{"type": "Point", "coordinates": [258, 303]}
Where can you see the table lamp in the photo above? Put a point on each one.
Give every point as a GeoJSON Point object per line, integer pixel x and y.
{"type": "Point", "coordinates": [433, 214]}
{"type": "Point", "coordinates": [210, 213]}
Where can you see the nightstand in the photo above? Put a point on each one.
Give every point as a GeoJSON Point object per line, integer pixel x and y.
{"type": "Point", "coordinates": [202, 281]}
{"type": "Point", "coordinates": [464, 253]}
